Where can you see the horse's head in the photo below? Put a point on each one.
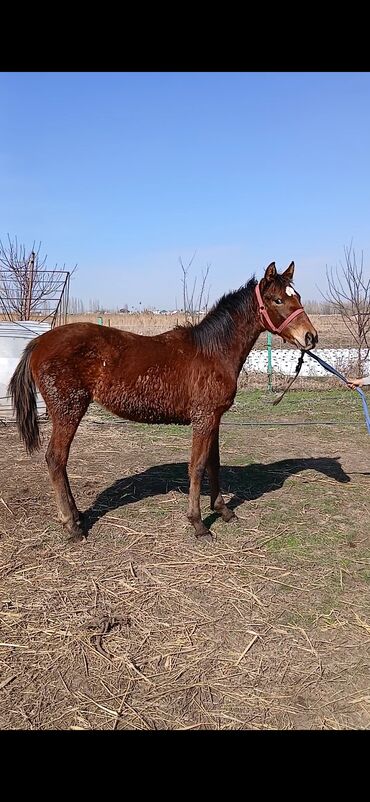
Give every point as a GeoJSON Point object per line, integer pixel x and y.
{"type": "Point", "coordinates": [281, 309]}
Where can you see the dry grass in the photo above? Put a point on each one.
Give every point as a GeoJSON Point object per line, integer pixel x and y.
{"type": "Point", "coordinates": [332, 332]}
{"type": "Point", "coordinates": [143, 627]}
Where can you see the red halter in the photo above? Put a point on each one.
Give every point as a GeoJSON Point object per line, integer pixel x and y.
{"type": "Point", "coordinates": [266, 317]}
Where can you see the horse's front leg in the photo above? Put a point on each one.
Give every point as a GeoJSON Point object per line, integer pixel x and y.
{"type": "Point", "coordinates": [213, 470]}
{"type": "Point", "coordinates": [201, 445]}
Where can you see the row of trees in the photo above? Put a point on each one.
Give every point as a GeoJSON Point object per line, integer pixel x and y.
{"type": "Point", "coordinates": [78, 307]}
{"type": "Point", "coordinates": [194, 308]}
{"type": "Point", "coordinates": [319, 307]}
{"type": "Point", "coordinates": [27, 288]}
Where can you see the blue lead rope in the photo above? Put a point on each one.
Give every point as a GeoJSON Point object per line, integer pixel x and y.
{"type": "Point", "coordinates": [343, 378]}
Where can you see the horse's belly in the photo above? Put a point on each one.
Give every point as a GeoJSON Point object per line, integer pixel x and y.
{"type": "Point", "coordinates": [145, 403]}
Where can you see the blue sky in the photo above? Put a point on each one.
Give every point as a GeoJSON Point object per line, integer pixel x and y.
{"type": "Point", "coordinates": [123, 173]}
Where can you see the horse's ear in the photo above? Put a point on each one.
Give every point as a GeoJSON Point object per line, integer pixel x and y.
{"type": "Point", "coordinates": [289, 272]}
{"type": "Point", "coordinates": [270, 272]}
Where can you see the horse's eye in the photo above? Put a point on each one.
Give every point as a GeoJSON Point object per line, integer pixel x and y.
{"type": "Point", "coordinates": [278, 301]}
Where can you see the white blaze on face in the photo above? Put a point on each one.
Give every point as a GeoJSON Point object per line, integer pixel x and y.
{"type": "Point", "coordinates": [289, 290]}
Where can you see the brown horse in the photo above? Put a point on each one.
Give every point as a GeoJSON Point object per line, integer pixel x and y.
{"type": "Point", "coordinates": [187, 375]}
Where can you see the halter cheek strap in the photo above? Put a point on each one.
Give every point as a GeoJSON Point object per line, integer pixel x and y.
{"type": "Point", "coordinates": [265, 317]}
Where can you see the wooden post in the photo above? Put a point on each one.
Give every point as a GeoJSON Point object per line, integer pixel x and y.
{"type": "Point", "coordinates": [30, 273]}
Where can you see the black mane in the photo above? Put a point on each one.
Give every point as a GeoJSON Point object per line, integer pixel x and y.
{"type": "Point", "coordinates": [216, 330]}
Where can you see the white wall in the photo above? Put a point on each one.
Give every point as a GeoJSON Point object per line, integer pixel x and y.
{"type": "Point", "coordinates": [285, 360]}
{"type": "Point", "coordinates": [13, 340]}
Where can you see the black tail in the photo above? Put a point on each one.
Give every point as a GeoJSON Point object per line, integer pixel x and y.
{"type": "Point", "coordinates": [22, 390]}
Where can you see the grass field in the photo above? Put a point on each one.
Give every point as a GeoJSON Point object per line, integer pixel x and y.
{"type": "Point", "coordinates": [144, 627]}
{"type": "Point", "coordinates": [332, 332]}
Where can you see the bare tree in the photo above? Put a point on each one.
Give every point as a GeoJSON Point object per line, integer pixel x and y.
{"type": "Point", "coordinates": [27, 288]}
{"type": "Point", "coordinates": [194, 305]}
{"type": "Point", "coordinates": [95, 306]}
{"type": "Point", "coordinates": [76, 306]}
{"type": "Point", "coordinates": [348, 291]}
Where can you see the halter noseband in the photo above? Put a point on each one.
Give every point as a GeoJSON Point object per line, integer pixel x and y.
{"type": "Point", "coordinates": [265, 317]}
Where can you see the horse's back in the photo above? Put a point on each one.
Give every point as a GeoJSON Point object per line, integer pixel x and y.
{"type": "Point", "coordinates": [72, 334]}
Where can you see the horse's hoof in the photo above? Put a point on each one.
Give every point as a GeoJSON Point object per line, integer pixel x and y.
{"type": "Point", "coordinates": [75, 530]}
{"type": "Point", "coordinates": [229, 515]}
{"type": "Point", "coordinates": [204, 533]}
{"type": "Point", "coordinates": [77, 538]}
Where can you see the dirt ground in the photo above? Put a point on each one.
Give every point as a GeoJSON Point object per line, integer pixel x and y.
{"type": "Point", "coordinates": [143, 627]}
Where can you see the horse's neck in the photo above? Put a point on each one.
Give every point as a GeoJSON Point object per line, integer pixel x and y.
{"type": "Point", "coordinates": [230, 330]}
{"type": "Point", "coordinates": [246, 334]}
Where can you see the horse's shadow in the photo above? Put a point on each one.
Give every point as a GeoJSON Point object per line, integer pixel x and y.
{"type": "Point", "coordinates": [245, 482]}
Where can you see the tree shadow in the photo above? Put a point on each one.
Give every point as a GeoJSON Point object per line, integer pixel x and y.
{"type": "Point", "coordinates": [245, 482]}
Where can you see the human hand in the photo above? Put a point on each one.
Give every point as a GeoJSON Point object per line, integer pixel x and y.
{"type": "Point", "coordinates": [353, 383]}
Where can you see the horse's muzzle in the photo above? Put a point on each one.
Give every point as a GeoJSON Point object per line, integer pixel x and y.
{"type": "Point", "coordinates": [311, 339]}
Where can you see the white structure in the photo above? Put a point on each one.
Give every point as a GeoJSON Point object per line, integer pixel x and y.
{"type": "Point", "coordinates": [284, 361]}
{"type": "Point", "coordinates": [13, 340]}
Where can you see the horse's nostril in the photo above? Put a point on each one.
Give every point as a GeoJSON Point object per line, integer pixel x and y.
{"type": "Point", "coordinates": [310, 339]}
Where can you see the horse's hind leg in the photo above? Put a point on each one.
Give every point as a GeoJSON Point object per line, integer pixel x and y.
{"type": "Point", "coordinates": [201, 445]}
{"type": "Point", "coordinates": [56, 457]}
{"type": "Point", "coordinates": [213, 470]}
